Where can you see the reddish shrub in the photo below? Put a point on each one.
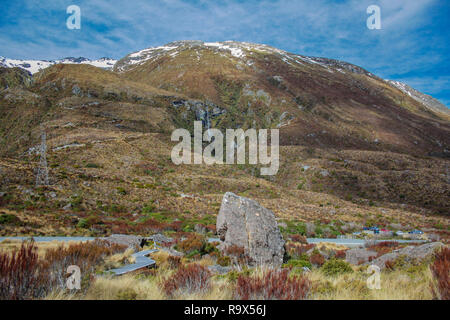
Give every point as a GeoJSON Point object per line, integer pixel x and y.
{"type": "Point", "coordinates": [390, 265]}
{"type": "Point", "coordinates": [273, 285]}
{"type": "Point", "coordinates": [298, 238]}
{"type": "Point", "coordinates": [296, 250]}
{"type": "Point", "coordinates": [86, 255]}
{"type": "Point", "coordinates": [190, 278]}
{"type": "Point", "coordinates": [317, 259]}
{"type": "Point", "coordinates": [24, 276]}
{"type": "Point", "coordinates": [176, 225]}
{"type": "Point", "coordinates": [21, 274]}
{"type": "Point", "coordinates": [211, 228]}
{"type": "Point", "coordinates": [383, 247]}
{"type": "Point", "coordinates": [340, 254]}
{"type": "Point", "coordinates": [237, 254]}
{"type": "Point", "coordinates": [192, 243]}
{"type": "Point", "coordinates": [440, 268]}
{"type": "Point", "coordinates": [174, 262]}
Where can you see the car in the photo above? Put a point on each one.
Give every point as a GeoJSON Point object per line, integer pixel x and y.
{"type": "Point", "coordinates": [416, 232]}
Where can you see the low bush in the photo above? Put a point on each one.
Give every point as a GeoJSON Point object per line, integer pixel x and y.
{"type": "Point", "coordinates": [296, 250]}
{"type": "Point", "coordinates": [440, 269]}
{"type": "Point", "coordinates": [383, 247]}
{"type": "Point", "coordinates": [340, 254]}
{"type": "Point", "coordinates": [237, 254]}
{"type": "Point", "coordinates": [193, 243]}
{"type": "Point", "coordinates": [298, 263]}
{"type": "Point", "coordinates": [86, 255]}
{"type": "Point", "coordinates": [334, 267]}
{"type": "Point", "coordinates": [24, 276]}
{"type": "Point", "coordinates": [127, 294]}
{"type": "Point", "coordinates": [223, 261]}
{"type": "Point", "coordinates": [272, 285]}
{"type": "Point", "coordinates": [10, 219]}
{"type": "Point", "coordinates": [298, 238]}
{"type": "Point", "coordinates": [174, 262]}
{"type": "Point", "coordinates": [317, 259]}
{"type": "Point", "coordinates": [193, 278]}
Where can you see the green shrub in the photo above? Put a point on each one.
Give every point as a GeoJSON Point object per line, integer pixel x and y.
{"type": "Point", "coordinates": [83, 223]}
{"type": "Point", "coordinates": [298, 263]}
{"type": "Point", "coordinates": [121, 191]}
{"type": "Point", "coordinates": [127, 294]}
{"type": "Point", "coordinates": [334, 267]}
{"type": "Point", "coordinates": [210, 248]}
{"type": "Point", "coordinates": [92, 165]}
{"type": "Point", "coordinates": [148, 208]}
{"type": "Point", "coordinates": [9, 219]}
{"type": "Point", "coordinates": [223, 261]}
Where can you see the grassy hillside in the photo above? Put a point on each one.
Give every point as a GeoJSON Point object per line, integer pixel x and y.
{"type": "Point", "coordinates": [354, 149]}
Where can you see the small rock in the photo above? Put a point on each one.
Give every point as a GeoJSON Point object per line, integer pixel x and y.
{"type": "Point", "coordinates": [159, 238]}
{"type": "Point", "coordinates": [217, 269]}
{"type": "Point", "coordinates": [172, 252]}
{"type": "Point", "coordinates": [67, 207]}
{"type": "Point", "coordinates": [200, 228]}
{"type": "Point", "coordinates": [133, 242]}
{"type": "Point", "coordinates": [76, 90]}
{"type": "Point", "coordinates": [282, 225]}
{"type": "Point", "coordinates": [324, 173]}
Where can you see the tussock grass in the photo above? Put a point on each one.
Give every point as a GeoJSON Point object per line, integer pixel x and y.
{"type": "Point", "coordinates": [395, 285]}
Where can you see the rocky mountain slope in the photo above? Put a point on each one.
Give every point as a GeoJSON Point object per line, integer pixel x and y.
{"type": "Point", "coordinates": [34, 66]}
{"type": "Point", "coordinates": [425, 99]}
{"type": "Point", "coordinates": [315, 101]}
{"type": "Point", "coordinates": [354, 148]}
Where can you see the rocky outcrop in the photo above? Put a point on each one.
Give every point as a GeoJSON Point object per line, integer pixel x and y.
{"type": "Point", "coordinates": [159, 238]}
{"type": "Point", "coordinates": [245, 223]}
{"type": "Point", "coordinates": [358, 256]}
{"type": "Point", "coordinates": [201, 111]}
{"type": "Point", "coordinates": [132, 242]}
{"type": "Point", "coordinates": [410, 254]}
{"type": "Point", "coordinates": [216, 269]}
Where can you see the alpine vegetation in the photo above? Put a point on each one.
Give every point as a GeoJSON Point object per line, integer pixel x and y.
{"type": "Point", "coordinates": [235, 147]}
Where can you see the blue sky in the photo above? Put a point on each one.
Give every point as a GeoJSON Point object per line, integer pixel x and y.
{"type": "Point", "coordinates": [413, 45]}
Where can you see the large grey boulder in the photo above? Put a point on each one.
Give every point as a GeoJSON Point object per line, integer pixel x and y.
{"type": "Point", "coordinates": [131, 241]}
{"type": "Point", "coordinates": [410, 253]}
{"type": "Point", "coordinates": [245, 223]}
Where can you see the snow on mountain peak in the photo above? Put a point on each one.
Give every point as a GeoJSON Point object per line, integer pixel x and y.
{"type": "Point", "coordinates": [34, 66]}
{"type": "Point", "coordinates": [426, 100]}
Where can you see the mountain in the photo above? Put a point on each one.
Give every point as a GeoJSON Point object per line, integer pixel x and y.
{"type": "Point", "coordinates": [34, 66]}
{"type": "Point", "coordinates": [425, 99]}
{"type": "Point", "coordinates": [315, 101]}
{"type": "Point", "coordinates": [354, 147]}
